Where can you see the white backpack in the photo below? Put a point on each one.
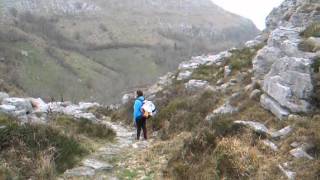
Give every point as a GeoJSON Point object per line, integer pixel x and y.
{"type": "Point", "coordinates": [149, 109]}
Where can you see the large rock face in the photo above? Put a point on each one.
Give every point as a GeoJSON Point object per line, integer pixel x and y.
{"type": "Point", "coordinates": [283, 71]}
{"type": "Point", "coordinates": [97, 49]}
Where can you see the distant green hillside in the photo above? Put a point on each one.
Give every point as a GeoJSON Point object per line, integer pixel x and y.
{"type": "Point", "coordinates": [96, 50]}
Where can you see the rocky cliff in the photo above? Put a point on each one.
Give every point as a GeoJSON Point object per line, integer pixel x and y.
{"type": "Point", "coordinates": [285, 71]}
{"type": "Point", "coordinates": [78, 48]}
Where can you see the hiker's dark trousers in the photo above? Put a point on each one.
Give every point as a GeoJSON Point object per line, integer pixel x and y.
{"type": "Point", "coordinates": [142, 124]}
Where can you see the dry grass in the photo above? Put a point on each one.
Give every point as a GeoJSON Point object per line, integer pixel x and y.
{"type": "Point", "coordinates": [309, 45]}
{"type": "Point", "coordinates": [185, 113]}
{"type": "Point", "coordinates": [307, 131]}
{"type": "Point", "coordinates": [207, 157]}
{"type": "Point", "coordinates": [312, 31]}
{"type": "Point", "coordinates": [221, 150]}
{"type": "Point", "coordinates": [37, 151]}
{"type": "Point", "coordinates": [44, 151]}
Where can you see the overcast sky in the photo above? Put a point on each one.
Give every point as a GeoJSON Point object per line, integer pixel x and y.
{"type": "Point", "coordinates": [256, 10]}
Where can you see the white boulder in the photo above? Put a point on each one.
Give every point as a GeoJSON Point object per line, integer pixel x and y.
{"type": "Point", "coordinates": [289, 82]}
{"type": "Point", "coordinates": [8, 109]}
{"type": "Point", "coordinates": [87, 105]}
{"type": "Point", "coordinates": [80, 171]}
{"type": "Point", "coordinates": [195, 85]}
{"type": "Point", "coordinates": [274, 107]}
{"type": "Point", "coordinates": [3, 95]}
{"type": "Point", "coordinates": [19, 103]}
{"type": "Point", "coordinates": [227, 71]}
{"type": "Point", "coordinates": [289, 174]}
{"type": "Point", "coordinates": [271, 145]}
{"type": "Point", "coordinates": [252, 43]}
{"type": "Point", "coordinates": [300, 153]}
{"type": "Point", "coordinates": [256, 126]}
{"type": "Point", "coordinates": [97, 165]}
{"type": "Point", "coordinates": [197, 61]}
{"type": "Point", "coordinates": [39, 105]}
{"type": "Point", "coordinates": [127, 97]}
{"type": "Point", "coordinates": [282, 132]}
{"type": "Point", "coordinates": [184, 75]}
{"type": "Point", "coordinates": [226, 108]}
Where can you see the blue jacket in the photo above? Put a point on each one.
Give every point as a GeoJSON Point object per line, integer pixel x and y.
{"type": "Point", "coordinates": [138, 103]}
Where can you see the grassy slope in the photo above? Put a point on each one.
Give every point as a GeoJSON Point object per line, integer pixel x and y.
{"type": "Point", "coordinates": [134, 46]}
{"type": "Point", "coordinates": [45, 151]}
{"type": "Point", "coordinates": [192, 148]}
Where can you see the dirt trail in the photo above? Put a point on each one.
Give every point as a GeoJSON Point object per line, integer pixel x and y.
{"type": "Point", "coordinates": [106, 162]}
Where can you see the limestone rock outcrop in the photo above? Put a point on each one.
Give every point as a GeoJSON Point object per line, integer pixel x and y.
{"type": "Point", "coordinates": [285, 72]}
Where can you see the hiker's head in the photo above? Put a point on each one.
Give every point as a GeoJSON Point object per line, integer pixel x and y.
{"type": "Point", "coordinates": [139, 93]}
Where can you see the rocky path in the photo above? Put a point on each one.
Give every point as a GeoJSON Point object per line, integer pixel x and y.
{"type": "Point", "coordinates": [105, 162]}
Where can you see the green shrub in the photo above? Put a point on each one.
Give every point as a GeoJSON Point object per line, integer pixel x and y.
{"type": "Point", "coordinates": [205, 139]}
{"type": "Point", "coordinates": [95, 130]}
{"type": "Point", "coordinates": [26, 147]}
{"type": "Point", "coordinates": [312, 31]}
{"type": "Point", "coordinates": [185, 113]}
{"type": "Point", "coordinates": [242, 58]}
{"type": "Point", "coordinates": [85, 127]}
{"type": "Point", "coordinates": [208, 73]}
{"type": "Point", "coordinates": [101, 111]}
{"type": "Point", "coordinates": [223, 125]}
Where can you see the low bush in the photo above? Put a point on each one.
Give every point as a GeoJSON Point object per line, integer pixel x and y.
{"type": "Point", "coordinates": [85, 127]}
{"type": "Point", "coordinates": [37, 151]}
{"type": "Point", "coordinates": [223, 125]}
{"type": "Point", "coordinates": [206, 156]}
{"type": "Point", "coordinates": [308, 45]}
{"type": "Point", "coordinates": [242, 58]}
{"type": "Point", "coordinates": [101, 111]}
{"type": "Point", "coordinates": [185, 113]}
{"type": "Point", "coordinates": [94, 130]}
{"type": "Point", "coordinates": [208, 73]}
{"type": "Point", "coordinates": [189, 162]}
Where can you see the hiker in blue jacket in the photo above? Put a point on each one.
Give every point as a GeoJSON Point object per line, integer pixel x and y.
{"type": "Point", "coordinates": [140, 120]}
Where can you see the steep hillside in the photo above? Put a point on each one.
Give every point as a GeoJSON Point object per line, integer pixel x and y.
{"type": "Point", "coordinates": [94, 49]}
{"type": "Point", "coordinates": [247, 113]}
{"type": "Point", "coordinates": [244, 113]}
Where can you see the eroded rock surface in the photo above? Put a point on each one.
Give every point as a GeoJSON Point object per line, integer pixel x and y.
{"type": "Point", "coordinates": [283, 70]}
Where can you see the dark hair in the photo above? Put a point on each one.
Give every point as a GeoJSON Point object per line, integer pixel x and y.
{"type": "Point", "coordinates": [139, 93]}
